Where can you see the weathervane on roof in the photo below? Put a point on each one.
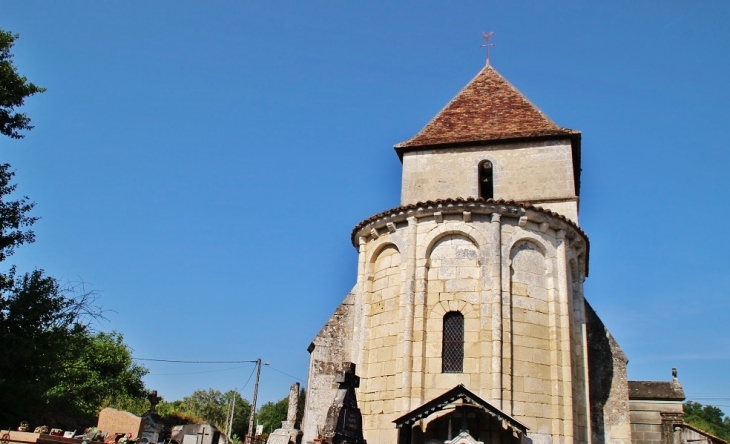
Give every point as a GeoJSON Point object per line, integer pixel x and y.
{"type": "Point", "coordinates": [487, 44]}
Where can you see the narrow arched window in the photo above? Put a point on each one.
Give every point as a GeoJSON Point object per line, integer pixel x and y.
{"type": "Point", "coordinates": [486, 179]}
{"type": "Point", "coordinates": [452, 350]}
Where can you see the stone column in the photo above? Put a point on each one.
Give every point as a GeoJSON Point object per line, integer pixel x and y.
{"type": "Point", "coordinates": [358, 351]}
{"type": "Point", "coordinates": [291, 414]}
{"type": "Point", "coordinates": [564, 338]}
{"type": "Point", "coordinates": [408, 311]}
{"type": "Point", "coordinates": [495, 240]}
{"type": "Point", "coordinates": [419, 321]}
{"type": "Point", "coordinates": [506, 342]}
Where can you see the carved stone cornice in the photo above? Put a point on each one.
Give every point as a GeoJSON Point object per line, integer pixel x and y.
{"type": "Point", "coordinates": [387, 221]}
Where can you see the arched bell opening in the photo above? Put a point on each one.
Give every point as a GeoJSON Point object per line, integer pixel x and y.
{"type": "Point", "coordinates": [486, 179]}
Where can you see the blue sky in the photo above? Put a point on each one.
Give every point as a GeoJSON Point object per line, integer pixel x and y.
{"type": "Point", "coordinates": [201, 164]}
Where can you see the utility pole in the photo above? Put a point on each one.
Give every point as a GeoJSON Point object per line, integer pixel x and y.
{"type": "Point", "coordinates": [232, 411]}
{"type": "Point", "coordinates": [249, 438]}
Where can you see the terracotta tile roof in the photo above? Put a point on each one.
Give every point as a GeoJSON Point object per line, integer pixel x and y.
{"type": "Point", "coordinates": [489, 108]}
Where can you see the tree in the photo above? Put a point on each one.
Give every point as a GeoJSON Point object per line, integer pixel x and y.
{"type": "Point", "coordinates": [210, 406]}
{"type": "Point", "coordinates": [14, 89]}
{"type": "Point", "coordinates": [54, 368]}
{"type": "Point", "coordinates": [14, 218]}
{"type": "Point", "coordinates": [95, 367]}
{"type": "Point", "coordinates": [272, 414]}
{"type": "Point", "coordinates": [708, 418]}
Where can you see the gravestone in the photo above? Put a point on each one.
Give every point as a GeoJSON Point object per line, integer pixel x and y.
{"type": "Point", "coordinates": [463, 438]}
{"type": "Point", "coordinates": [288, 431]}
{"type": "Point", "coordinates": [344, 420]}
{"type": "Point", "coordinates": [115, 421]}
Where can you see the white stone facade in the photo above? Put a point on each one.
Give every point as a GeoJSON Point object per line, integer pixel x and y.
{"type": "Point", "coordinates": [511, 266]}
{"type": "Point", "coordinates": [540, 173]}
{"type": "Point", "coordinates": [514, 272]}
{"type": "Point", "coordinates": [520, 326]}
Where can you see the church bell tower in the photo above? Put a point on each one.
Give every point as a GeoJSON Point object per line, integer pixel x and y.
{"type": "Point", "coordinates": [472, 287]}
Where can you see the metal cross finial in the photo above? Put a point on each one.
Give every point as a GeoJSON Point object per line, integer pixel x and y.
{"type": "Point", "coordinates": [487, 44]}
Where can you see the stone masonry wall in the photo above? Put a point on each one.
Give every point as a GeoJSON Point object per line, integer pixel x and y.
{"type": "Point", "coordinates": [454, 261]}
{"type": "Point", "coordinates": [378, 386]}
{"type": "Point", "coordinates": [609, 397]}
{"type": "Point", "coordinates": [331, 347]}
{"type": "Point", "coordinates": [531, 345]}
{"type": "Point", "coordinates": [647, 422]}
{"type": "Point", "coordinates": [538, 172]}
{"type": "Point", "coordinates": [508, 270]}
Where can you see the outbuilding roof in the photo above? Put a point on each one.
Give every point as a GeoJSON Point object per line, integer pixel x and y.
{"type": "Point", "coordinates": [656, 390]}
{"type": "Point", "coordinates": [489, 108]}
{"type": "Point", "coordinates": [465, 395]}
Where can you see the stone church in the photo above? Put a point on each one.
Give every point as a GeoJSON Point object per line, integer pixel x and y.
{"type": "Point", "coordinates": [468, 321]}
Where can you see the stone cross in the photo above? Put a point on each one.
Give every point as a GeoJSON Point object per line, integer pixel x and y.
{"type": "Point", "coordinates": [344, 420]}
{"type": "Point", "coordinates": [154, 400]}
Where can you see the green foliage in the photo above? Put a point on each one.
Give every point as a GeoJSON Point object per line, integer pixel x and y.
{"type": "Point", "coordinates": [95, 367]}
{"type": "Point", "coordinates": [54, 369]}
{"type": "Point", "coordinates": [210, 406]}
{"type": "Point", "coordinates": [37, 322]}
{"type": "Point", "coordinates": [52, 365]}
{"type": "Point", "coordinates": [14, 89]}
{"type": "Point", "coordinates": [272, 414]}
{"type": "Point", "coordinates": [14, 218]}
{"type": "Point", "coordinates": [708, 418]}
{"type": "Point", "coordinates": [134, 404]}
{"type": "Point", "coordinates": [300, 405]}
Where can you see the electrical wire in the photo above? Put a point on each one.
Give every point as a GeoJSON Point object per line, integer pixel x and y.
{"type": "Point", "coordinates": [194, 362]}
{"type": "Point", "coordinates": [287, 374]}
{"type": "Point", "coordinates": [249, 377]}
{"type": "Point", "coordinates": [195, 373]}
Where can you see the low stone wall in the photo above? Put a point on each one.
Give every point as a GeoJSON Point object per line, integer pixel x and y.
{"type": "Point", "coordinates": [18, 437]}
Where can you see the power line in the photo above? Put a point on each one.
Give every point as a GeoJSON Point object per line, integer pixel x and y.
{"type": "Point", "coordinates": [249, 377]}
{"type": "Point", "coordinates": [195, 373]}
{"type": "Point", "coordinates": [178, 361]}
{"type": "Point", "coordinates": [193, 362]}
{"type": "Point", "coordinates": [287, 374]}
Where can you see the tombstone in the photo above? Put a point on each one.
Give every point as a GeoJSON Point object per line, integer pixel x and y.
{"type": "Point", "coordinates": [149, 427]}
{"type": "Point", "coordinates": [344, 420]}
{"type": "Point", "coordinates": [196, 434]}
{"type": "Point", "coordinates": [288, 433]}
{"type": "Point", "coordinates": [152, 427]}
{"type": "Point", "coordinates": [463, 438]}
{"type": "Point", "coordinates": [115, 421]}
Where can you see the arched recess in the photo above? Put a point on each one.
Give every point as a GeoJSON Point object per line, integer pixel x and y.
{"type": "Point", "coordinates": [383, 326]}
{"type": "Point", "coordinates": [434, 236]}
{"type": "Point", "coordinates": [453, 283]}
{"type": "Point", "coordinates": [376, 246]}
{"type": "Point", "coordinates": [530, 321]}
